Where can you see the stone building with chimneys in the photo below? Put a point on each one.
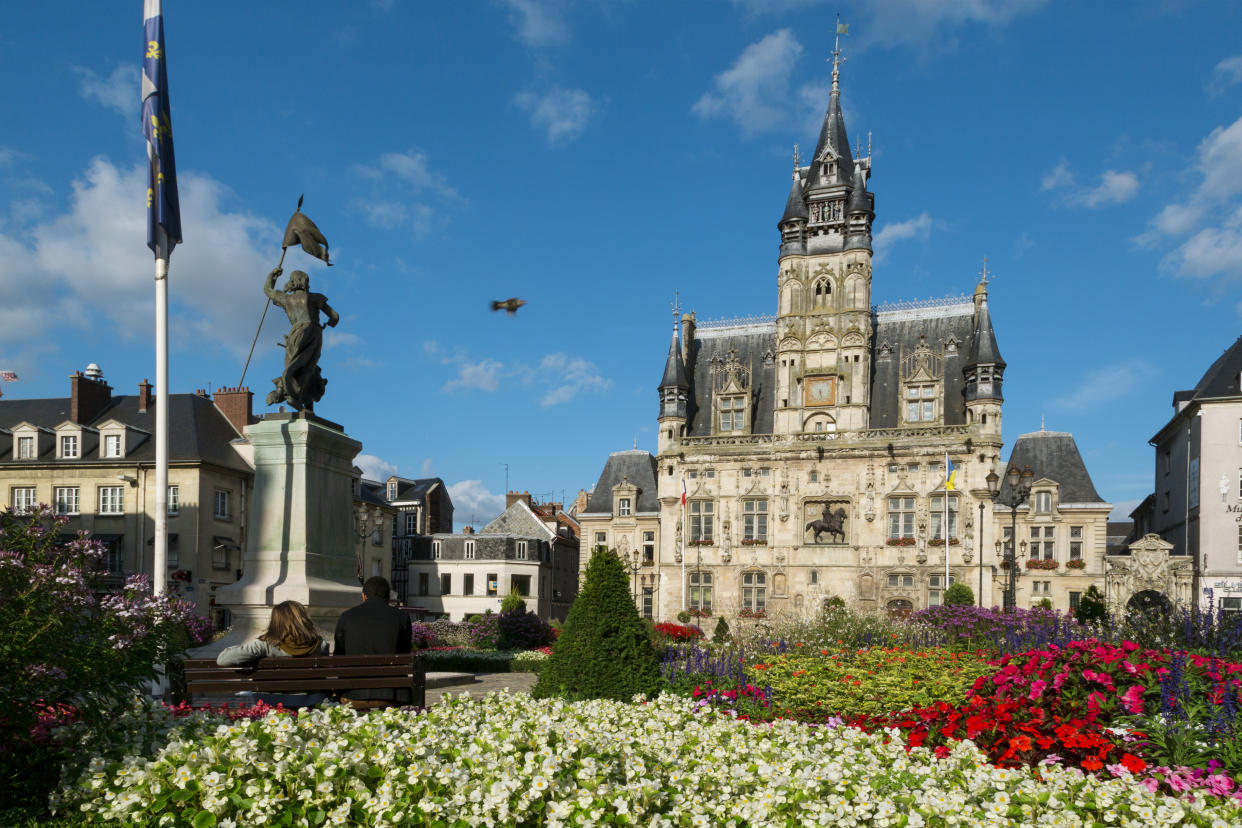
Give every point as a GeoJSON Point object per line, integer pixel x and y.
{"type": "Point", "coordinates": [91, 456]}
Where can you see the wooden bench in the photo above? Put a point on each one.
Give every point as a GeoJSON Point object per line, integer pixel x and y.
{"type": "Point", "coordinates": [319, 674]}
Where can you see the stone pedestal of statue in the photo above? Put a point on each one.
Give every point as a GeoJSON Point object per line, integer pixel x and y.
{"type": "Point", "coordinates": [301, 538]}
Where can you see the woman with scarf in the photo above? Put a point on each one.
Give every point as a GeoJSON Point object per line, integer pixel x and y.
{"type": "Point", "coordinates": [289, 633]}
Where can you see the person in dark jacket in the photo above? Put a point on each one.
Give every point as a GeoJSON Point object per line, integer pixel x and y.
{"type": "Point", "coordinates": [374, 628]}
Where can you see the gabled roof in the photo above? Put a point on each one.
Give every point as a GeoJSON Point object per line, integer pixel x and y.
{"type": "Point", "coordinates": [1053, 455]}
{"type": "Point", "coordinates": [415, 489]}
{"type": "Point", "coordinates": [520, 521]}
{"type": "Point", "coordinates": [832, 134]}
{"type": "Point", "coordinates": [636, 466]}
{"type": "Point", "coordinates": [1221, 379]}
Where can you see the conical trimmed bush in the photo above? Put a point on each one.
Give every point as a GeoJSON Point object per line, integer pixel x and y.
{"type": "Point", "coordinates": [604, 651]}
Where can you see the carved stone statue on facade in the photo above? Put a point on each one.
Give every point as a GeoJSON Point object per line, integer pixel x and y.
{"type": "Point", "coordinates": [300, 384]}
{"type": "Point", "coordinates": [831, 523]}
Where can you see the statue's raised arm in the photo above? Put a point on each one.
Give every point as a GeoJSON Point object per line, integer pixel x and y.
{"type": "Point", "coordinates": [300, 384]}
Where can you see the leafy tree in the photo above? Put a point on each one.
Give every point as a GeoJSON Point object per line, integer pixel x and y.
{"type": "Point", "coordinates": [721, 634]}
{"type": "Point", "coordinates": [1091, 608]}
{"type": "Point", "coordinates": [959, 595]}
{"type": "Point", "coordinates": [604, 651]}
{"type": "Point", "coordinates": [513, 603]}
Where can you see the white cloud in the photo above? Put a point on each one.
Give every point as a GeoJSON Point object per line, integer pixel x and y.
{"type": "Point", "coordinates": [473, 502]}
{"type": "Point", "coordinates": [1220, 161]}
{"type": "Point", "coordinates": [79, 269]}
{"type": "Point", "coordinates": [571, 376]}
{"type": "Point", "coordinates": [375, 468]}
{"type": "Point", "coordinates": [538, 22]}
{"type": "Point", "coordinates": [1226, 74]}
{"type": "Point", "coordinates": [1213, 251]}
{"type": "Point", "coordinates": [755, 91]}
{"type": "Point", "coordinates": [395, 177]}
{"type": "Point", "coordinates": [332, 338]}
{"type": "Point", "coordinates": [888, 235]}
{"type": "Point", "coordinates": [927, 24]}
{"type": "Point", "coordinates": [562, 113]}
{"type": "Point", "coordinates": [1114, 187]}
{"type": "Point", "coordinates": [483, 375]}
{"type": "Point", "coordinates": [121, 90]}
{"type": "Point", "coordinates": [412, 168]}
{"type": "Point", "coordinates": [1104, 387]}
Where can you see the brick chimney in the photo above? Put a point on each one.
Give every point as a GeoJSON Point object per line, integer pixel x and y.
{"type": "Point", "coordinates": [144, 396]}
{"type": "Point", "coordinates": [514, 497]}
{"type": "Point", "coordinates": [88, 397]}
{"type": "Point", "coordinates": [236, 404]}
{"type": "Point", "coordinates": [467, 530]}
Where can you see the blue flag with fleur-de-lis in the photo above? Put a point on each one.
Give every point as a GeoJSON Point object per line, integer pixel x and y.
{"type": "Point", "coordinates": [163, 208]}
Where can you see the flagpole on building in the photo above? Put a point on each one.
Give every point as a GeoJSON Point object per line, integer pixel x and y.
{"type": "Point", "coordinates": [684, 528]}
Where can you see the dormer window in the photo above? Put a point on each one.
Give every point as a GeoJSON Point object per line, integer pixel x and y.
{"type": "Point", "coordinates": [920, 403]}
{"type": "Point", "coordinates": [623, 507]}
{"type": "Point", "coordinates": [470, 550]}
{"type": "Point", "coordinates": [1043, 502]}
{"type": "Point", "coordinates": [521, 550]}
{"type": "Point", "coordinates": [112, 445]}
{"type": "Point", "coordinates": [732, 413]}
{"type": "Point", "coordinates": [68, 446]}
{"type": "Point", "coordinates": [392, 490]}
{"type": "Point", "coordinates": [26, 448]}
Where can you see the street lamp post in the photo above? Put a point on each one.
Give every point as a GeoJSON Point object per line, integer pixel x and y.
{"type": "Point", "coordinates": [1019, 491]}
{"type": "Point", "coordinates": [634, 566]}
{"type": "Point", "coordinates": [364, 531]}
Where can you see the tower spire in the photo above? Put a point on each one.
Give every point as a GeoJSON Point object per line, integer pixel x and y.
{"type": "Point", "coordinates": [837, 60]}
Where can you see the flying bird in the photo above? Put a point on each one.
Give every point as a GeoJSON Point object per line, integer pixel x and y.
{"type": "Point", "coordinates": [510, 305]}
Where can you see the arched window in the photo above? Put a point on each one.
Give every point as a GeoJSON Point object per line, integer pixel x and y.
{"type": "Point", "coordinates": [822, 292]}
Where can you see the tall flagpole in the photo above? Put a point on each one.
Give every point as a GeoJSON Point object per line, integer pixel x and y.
{"type": "Point", "coordinates": [684, 529]}
{"type": "Point", "coordinates": [163, 233]}
{"type": "Point", "coordinates": [159, 559]}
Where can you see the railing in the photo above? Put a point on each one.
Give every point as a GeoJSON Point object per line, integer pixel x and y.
{"type": "Point", "coordinates": [815, 437]}
{"type": "Point", "coordinates": [736, 321]}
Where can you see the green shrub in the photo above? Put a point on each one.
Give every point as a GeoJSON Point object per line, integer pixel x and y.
{"type": "Point", "coordinates": [513, 603]}
{"type": "Point", "coordinates": [833, 602]}
{"type": "Point", "coordinates": [721, 634]}
{"type": "Point", "coordinates": [474, 619]}
{"type": "Point", "coordinates": [959, 595]}
{"type": "Point", "coordinates": [604, 651]}
{"type": "Point", "coordinates": [1092, 609]}
{"type": "Point", "coordinates": [468, 661]}
{"type": "Point", "coordinates": [684, 616]}
{"type": "Point", "coordinates": [1045, 603]}
{"type": "Point", "coordinates": [529, 661]}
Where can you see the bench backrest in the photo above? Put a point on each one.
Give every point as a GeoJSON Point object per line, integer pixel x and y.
{"type": "Point", "coordinates": [323, 674]}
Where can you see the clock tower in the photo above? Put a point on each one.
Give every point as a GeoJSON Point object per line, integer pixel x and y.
{"type": "Point", "coordinates": [823, 328]}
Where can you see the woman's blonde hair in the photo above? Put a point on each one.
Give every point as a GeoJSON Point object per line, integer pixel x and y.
{"type": "Point", "coordinates": [290, 622]}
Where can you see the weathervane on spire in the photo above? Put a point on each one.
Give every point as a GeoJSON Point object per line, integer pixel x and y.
{"type": "Point", "coordinates": [676, 306]}
{"type": "Point", "coordinates": [984, 273]}
{"type": "Point", "coordinates": [837, 60]}
{"type": "Point", "coordinates": [797, 161]}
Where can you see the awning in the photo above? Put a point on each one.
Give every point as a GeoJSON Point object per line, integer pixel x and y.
{"type": "Point", "coordinates": [224, 543]}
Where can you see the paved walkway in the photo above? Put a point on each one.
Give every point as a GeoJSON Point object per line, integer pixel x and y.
{"type": "Point", "coordinates": [485, 683]}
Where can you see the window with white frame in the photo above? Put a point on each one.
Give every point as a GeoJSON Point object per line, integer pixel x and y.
{"type": "Point", "coordinates": [936, 588]}
{"type": "Point", "coordinates": [901, 517]}
{"type": "Point", "coordinates": [521, 550]}
{"type": "Point", "coordinates": [470, 550]}
{"type": "Point", "coordinates": [732, 413]}
{"type": "Point", "coordinates": [1231, 606]}
{"type": "Point", "coordinates": [66, 500]}
{"type": "Point", "coordinates": [937, 516]}
{"type": "Point", "coordinates": [920, 403]}
{"type": "Point", "coordinates": [411, 523]}
{"type": "Point", "coordinates": [755, 520]}
{"type": "Point", "coordinates": [111, 500]}
{"type": "Point", "coordinates": [701, 514]}
{"type": "Point", "coordinates": [392, 490]}
{"type": "Point", "coordinates": [25, 448]}
{"type": "Point", "coordinates": [69, 446]}
{"type": "Point", "coordinates": [701, 591]}
{"type": "Point", "coordinates": [754, 591]}
{"type": "Point", "coordinates": [648, 548]}
{"type": "Point", "coordinates": [436, 550]}
{"type": "Point", "coordinates": [623, 506]}
{"type": "Point", "coordinates": [1043, 502]}
{"type": "Point", "coordinates": [222, 509]}
{"type": "Point", "coordinates": [174, 500]}
{"type": "Point", "coordinates": [1075, 547]}
{"type": "Point", "coordinates": [112, 445]}
{"type": "Point", "coordinates": [601, 538]}
{"type": "Point", "coordinates": [23, 499]}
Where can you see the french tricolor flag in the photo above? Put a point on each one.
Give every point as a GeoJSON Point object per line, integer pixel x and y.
{"type": "Point", "coordinates": [683, 492]}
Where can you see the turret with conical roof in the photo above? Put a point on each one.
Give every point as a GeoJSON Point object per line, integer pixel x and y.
{"type": "Point", "coordinates": [859, 212]}
{"type": "Point", "coordinates": [793, 221]}
{"type": "Point", "coordinates": [674, 395]}
{"type": "Point", "coordinates": [984, 370]}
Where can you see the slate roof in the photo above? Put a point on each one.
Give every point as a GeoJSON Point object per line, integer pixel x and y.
{"type": "Point", "coordinates": [636, 465]}
{"type": "Point", "coordinates": [983, 348]}
{"type": "Point", "coordinates": [674, 369]}
{"type": "Point", "coordinates": [795, 206]}
{"type": "Point", "coordinates": [753, 345]}
{"type": "Point", "coordinates": [520, 521]}
{"type": "Point", "coordinates": [415, 489]}
{"type": "Point", "coordinates": [1221, 379]}
{"type": "Point", "coordinates": [901, 331]}
{"type": "Point", "coordinates": [197, 431]}
{"type": "Point", "coordinates": [372, 491]}
{"type": "Point", "coordinates": [1054, 455]}
{"type": "Point", "coordinates": [832, 133]}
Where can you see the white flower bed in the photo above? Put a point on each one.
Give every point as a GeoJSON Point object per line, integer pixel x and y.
{"type": "Point", "coordinates": [509, 759]}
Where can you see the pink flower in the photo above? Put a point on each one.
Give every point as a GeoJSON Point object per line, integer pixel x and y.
{"type": "Point", "coordinates": [1132, 699]}
{"type": "Point", "coordinates": [1220, 784]}
{"type": "Point", "coordinates": [1037, 689]}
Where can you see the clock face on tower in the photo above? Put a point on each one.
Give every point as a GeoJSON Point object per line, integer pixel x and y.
{"type": "Point", "coordinates": [819, 391]}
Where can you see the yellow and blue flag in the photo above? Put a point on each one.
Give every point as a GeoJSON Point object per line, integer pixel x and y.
{"type": "Point", "coordinates": [163, 208]}
{"type": "Point", "coordinates": [950, 474]}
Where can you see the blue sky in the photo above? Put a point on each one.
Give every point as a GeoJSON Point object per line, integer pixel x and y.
{"type": "Point", "coordinates": [593, 157]}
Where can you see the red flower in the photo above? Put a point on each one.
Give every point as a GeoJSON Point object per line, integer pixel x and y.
{"type": "Point", "coordinates": [1132, 763]}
